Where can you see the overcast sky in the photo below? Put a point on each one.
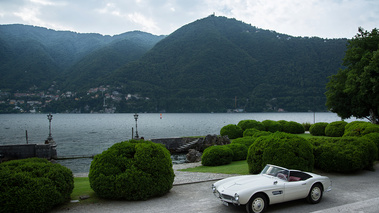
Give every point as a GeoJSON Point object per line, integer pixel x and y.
{"type": "Point", "coordinates": [321, 18]}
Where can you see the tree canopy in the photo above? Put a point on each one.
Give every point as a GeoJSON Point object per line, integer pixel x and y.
{"type": "Point", "coordinates": [354, 91]}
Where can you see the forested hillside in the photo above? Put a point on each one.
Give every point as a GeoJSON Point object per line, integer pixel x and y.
{"type": "Point", "coordinates": [210, 65]}
{"type": "Point", "coordinates": [204, 65]}
{"type": "Point", "coordinates": [35, 56]}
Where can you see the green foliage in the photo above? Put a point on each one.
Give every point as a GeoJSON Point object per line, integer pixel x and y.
{"type": "Point", "coordinates": [247, 141]}
{"type": "Point", "coordinates": [318, 129]}
{"type": "Point", "coordinates": [335, 129]}
{"type": "Point", "coordinates": [132, 170]}
{"type": "Point", "coordinates": [33, 185]}
{"type": "Point", "coordinates": [346, 154]}
{"type": "Point", "coordinates": [217, 155]}
{"type": "Point", "coordinates": [281, 149]}
{"type": "Point", "coordinates": [250, 132]}
{"type": "Point", "coordinates": [249, 124]}
{"type": "Point", "coordinates": [306, 126]}
{"type": "Point", "coordinates": [232, 131]}
{"type": "Point", "coordinates": [239, 151]}
{"type": "Point", "coordinates": [353, 90]}
{"type": "Point", "coordinates": [374, 137]}
{"type": "Point", "coordinates": [360, 128]}
{"type": "Point", "coordinates": [272, 126]}
{"type": "Point", "coordinates": [292, 127]}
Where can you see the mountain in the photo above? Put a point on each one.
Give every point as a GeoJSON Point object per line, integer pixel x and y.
{"type": "Point", "coordinates": [34, 56]}
{"type": "Point", "coordinates": [210, 65]}
{"type": "Point", "coordinates": [205, 65]}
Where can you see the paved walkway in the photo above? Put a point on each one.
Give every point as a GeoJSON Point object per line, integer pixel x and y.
{"type": "Point", "coordinates": [185, 177]}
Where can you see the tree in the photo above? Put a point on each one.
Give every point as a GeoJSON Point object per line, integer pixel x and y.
{"type": "Point", "coordinates": [354, 91]}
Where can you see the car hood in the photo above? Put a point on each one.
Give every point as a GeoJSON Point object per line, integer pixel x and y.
{"type": "Point", "coordinates": [246, 182]}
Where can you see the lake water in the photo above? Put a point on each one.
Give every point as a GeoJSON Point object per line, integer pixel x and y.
{"type": "Point", "coordinates": [88, 134]}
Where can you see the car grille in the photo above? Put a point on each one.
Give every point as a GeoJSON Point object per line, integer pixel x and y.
{"type": "Point", "coordinates": [227, 197]}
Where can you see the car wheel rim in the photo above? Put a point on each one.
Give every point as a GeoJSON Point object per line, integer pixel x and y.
{"type": "Point", "coordinates": [316, 194]}
{"type": "Point", "coordinates": [258, 205]}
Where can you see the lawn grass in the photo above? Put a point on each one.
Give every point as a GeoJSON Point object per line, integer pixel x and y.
{"type": "Point", "coordinates": [236, 167]}
{"type": "Point", "coordinates": [81, 188]}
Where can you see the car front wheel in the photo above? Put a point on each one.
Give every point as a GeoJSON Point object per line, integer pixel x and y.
{"type": "Point", "coordinates": [257, 204]}
{"type": "Point", "coordinates": [315, 194]}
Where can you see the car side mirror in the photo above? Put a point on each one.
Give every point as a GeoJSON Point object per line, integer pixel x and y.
{"type": "Point", "coordinates": [275, 182]}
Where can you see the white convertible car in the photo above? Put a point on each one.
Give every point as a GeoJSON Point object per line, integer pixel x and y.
{"type": "Point", "coordinates": [273, 185]}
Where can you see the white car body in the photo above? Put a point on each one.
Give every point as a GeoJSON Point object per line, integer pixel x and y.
{"type": "Point", "coordinates": [290, 185]}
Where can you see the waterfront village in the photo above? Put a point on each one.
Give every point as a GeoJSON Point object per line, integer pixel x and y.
{"type": "Point", "coordinates": [36, 101]}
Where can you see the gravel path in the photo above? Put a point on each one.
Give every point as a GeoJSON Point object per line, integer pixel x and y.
{"type": "Point", "coordinates": [185, 177]}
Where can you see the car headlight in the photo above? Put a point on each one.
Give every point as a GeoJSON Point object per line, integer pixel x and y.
{"type": "Point", "coordinates": [213, 188]}
{"type": "Point", "coordinates": [236, 197]}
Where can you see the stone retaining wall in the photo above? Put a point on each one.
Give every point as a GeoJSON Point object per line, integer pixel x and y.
{"type": "Point", "coordinates": [22, 151]}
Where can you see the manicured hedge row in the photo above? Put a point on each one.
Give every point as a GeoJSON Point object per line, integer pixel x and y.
{"type": "Point", "coordinates": [318, 129]}
{"type": "Point", "coordinates": [232, 131]}
{"type": "Point", "coordinates": [247, 141]}
{"type": "Point", "coordinates": [335, 129]}
{"type": "Point", "coordinates": [292, 127]}
{"type": "Point", "coordinates": [33, 185]}
{"type": "Point", "coordinates": [239, 151]}
{"type": "Point", "coordinates": [216, 156]}
{"type": "Point", "coordinates": [132, 170]}
{"type": "Point", "coordinates": [346, 154]}
{"type": "Point", "coordinates": [248, 124]}
{"type": "Point", "coordinates": [360, 128]}
{"type": "Point", "coordinates": [272, 126]}
{"type": "Point", "coordinates": [281, 149]}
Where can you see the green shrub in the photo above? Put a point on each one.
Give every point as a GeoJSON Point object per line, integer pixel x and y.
{"type": "Point", "coordinates": [360, 128]}
{"type": "Point", "coordinates": [335, 129]}
{"type": "Point", "coordinates": [239, 151]}
{"type": "Point", "coordinates": [374, 137]}
{"type": "Point", "coordinates": [250, 132]}
{"type": "Point", "coordinates": [232, 131]}
{"type": "Point", "coordinates": [306, 126]}
{"type": "Point", "coordinates": [292, 127]}
{"type": "Point", "coordinates": [247, 141]}
{"type": "Point", "coordinates": [248, 124]}
{"type": "Point", "coordinates": [272, 126]}
{"type": "Point", "coordinates": [346, 154]}
{"type": "Point", "coordinates": [33, 185]}
{"type": "Point", "coordinates": [261, 133]}
{"type": "Point", "coordinates": [280, 149]}
{"type": "Point", "coordinates": [318, 129]}
{"type": "Point", "coordinates": [132, 170]}
{"type": "Point", "coordinates": [216, 156]}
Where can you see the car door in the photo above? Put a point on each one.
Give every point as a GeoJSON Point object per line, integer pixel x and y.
{"type": "Point", "coordinates": [295, 190]}
{"type": "Point", "coordinates": [276, 192]}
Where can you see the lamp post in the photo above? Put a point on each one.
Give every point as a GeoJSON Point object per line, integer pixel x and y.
{"type": "Point", "coordinates": [136, 118]}
{"type": "Point", "coordinates": [50, 138]}
{"type": "Point", "coordinates": [49, 117]}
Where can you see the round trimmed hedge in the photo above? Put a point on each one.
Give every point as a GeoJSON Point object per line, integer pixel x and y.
{"type": "Point", "coordinates": [360, 128]}
{"type": "Point", "coordinates": [318, 129]}
{"type": "Point", "coordinates": [346, 154]}
{"type": "Point", "coordinates": [239, 151]}
{"type": "Point", "coordinates": [232, 131]}
{"type": "Point", "coordinates": [248, 124]}
{"type": "Point", "coordinates": [272, 126]}
{"type": "Point", "coordinates": [292, 127]}
{"type": "Point", "coordinates": [374, 137]}
{"type": "Point", "coordinates": [132, 170]}
{"type": "Point", "coordinates": [216, 156]}
{"type": "Point", "coordinates": [33, 185]}
{"type": "Point", "coordinates": [250, 132]}
{"type": "Point", "coordinates": [281, 149]}
{"type": "Point", "coordinates": [335, 129]}
{"type": "Point", "coordinates": [247, 141]}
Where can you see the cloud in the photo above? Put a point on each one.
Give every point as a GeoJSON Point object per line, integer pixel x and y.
{"type": "Point", "coordinates": [323, 18]}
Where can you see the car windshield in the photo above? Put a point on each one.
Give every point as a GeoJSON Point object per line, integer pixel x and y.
{"type": "Point", "coordinates": [276, 171]}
